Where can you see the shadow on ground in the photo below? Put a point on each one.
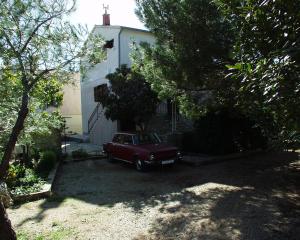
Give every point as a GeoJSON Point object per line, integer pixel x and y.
{"type": "Point", "coordinates": [252, 198]}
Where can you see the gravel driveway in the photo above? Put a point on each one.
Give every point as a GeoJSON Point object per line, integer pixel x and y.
{"type": "Point", "coordinates": [252, 198]}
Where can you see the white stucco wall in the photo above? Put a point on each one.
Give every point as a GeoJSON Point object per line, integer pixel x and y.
{"type": "Point", "coordinates": [112, 61]}
{"type": "Point", "coordinates": [128, 36]}
{"type": "Point", "coordinates": [71, 105]}
{"type": "Point", "coordinates": [104, 129]}
{"type": "Point", "coordinates": [96, 75]}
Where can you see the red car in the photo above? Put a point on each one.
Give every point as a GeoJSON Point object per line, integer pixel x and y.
{"type": "Point", "coordinates": [141, 149]}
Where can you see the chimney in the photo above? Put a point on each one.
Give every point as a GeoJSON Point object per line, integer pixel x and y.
{"type": "Point", "coordinates": [106, 16]}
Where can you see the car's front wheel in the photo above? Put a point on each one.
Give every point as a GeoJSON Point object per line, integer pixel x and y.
{"type": "Point", "coordinates": [140, 165]}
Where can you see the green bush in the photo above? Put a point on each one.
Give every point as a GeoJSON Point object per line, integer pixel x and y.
{"type": "Point", "coordinates": [223, 131]}
{"type": "Point", "coordinates": [64, 155]}
{"type": "Point", "coordinates": [35, 153]}
{"type": "Point", "coordinates": [30, 178]}
{"type": "Point", "coordinates": [80, 153]}
{"type": "Point", "coordinates": [22, 180]}
{"type": "Point", "coordinates": [26, 189]}
{"type": "Point", "coordinates": [47, 161]}
{"type": "Point", "coordinates": [15, 172]}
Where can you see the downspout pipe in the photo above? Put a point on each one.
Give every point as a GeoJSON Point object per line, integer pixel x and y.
{"type": "Point", "coordinates": [119, 63]}
{"type": "Point", "coordinates": [119, 52]}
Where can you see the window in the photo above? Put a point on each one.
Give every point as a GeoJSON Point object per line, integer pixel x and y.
{"type": "Point", "coordinates": [145, 138]}
{"type": "Point", "coordinates": [118, 138]}
{"type": "Point", "coordinates": [100, 91]}
{"type": "Point", "coordinates": [109, 44]}
{"type": "Point", "coordinates": [127, 139]}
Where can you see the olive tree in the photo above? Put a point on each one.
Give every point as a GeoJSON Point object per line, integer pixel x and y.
{"type": "Point", "coordinates": [37, 44]}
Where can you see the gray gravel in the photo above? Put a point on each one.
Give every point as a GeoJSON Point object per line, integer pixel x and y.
{"type": "Point", "coordinates": [253, 198]}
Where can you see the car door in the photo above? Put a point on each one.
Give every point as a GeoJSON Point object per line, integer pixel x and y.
{"type": "Point", "coordinates": [127, 147]}
{"type": "Point", "coordinates": [116, 145]}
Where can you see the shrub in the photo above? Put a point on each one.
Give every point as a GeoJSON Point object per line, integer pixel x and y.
{"type": "Point", "coordinates": [29, 178]}
{"type": "Point", "coordinates": [47, 161]}
{"type": "Point", "coordinates": [26, 189]}
{"type": "Point", "coordinates": [223, 131]}
{"type": "Point", "coordinates": [21, 180]}
{"type": "Point", "coordinates": [15, 172]}
{"type": "Point", "coordinates": [80, 153]}
{"type": "Point", "coordinates": [64, 155]}
{"type": "Point", "coordinates": [35, 153]}
{"type": "Point", "coordinates": [48, 141]}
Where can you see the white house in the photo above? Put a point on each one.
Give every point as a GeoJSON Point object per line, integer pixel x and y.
{"type": "Point", "coordinates": [118, 44]}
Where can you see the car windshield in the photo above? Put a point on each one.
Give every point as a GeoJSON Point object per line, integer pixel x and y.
{"type": "Point", "coordinates": [146, 138]}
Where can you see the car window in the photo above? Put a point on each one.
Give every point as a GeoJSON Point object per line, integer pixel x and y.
{"type": "Point", "coordinates": [118, 138]}
{"type": "Point", "coordinates": [146, 138]}
{"type": "Point", "coordinates": [127, 139]}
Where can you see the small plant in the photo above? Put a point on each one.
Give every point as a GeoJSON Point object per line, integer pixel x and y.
{"type": "Point", "coordinates": [47, 161]}
{"type": "Point", "coordinates": [15, 172]}
{"type": "Point", "coordinates": [80, 153]}
{"type": "Point", "coordinates": [23, 190]}
{"type": "Point", "coordinates": [21, 180]}
{"type": "Point", "coordinates": [29, 178]}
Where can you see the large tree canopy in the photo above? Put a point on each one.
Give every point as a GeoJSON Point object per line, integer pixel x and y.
{"type": "Point", "coordinates": [258, 42]}
{"type": "Point", "coordinates": [129, 98]}
{"type": "Point", "coordinates": [265, 78]}
{"type": "Point", "coordinates": [193, 45]}
{"type": "Point", "coordinates": [45, 94]}
{"type": "Point", "coordinates": [37, 46]}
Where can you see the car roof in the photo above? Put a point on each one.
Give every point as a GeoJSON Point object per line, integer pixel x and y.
{"type": "Point", "coordinates": [130, 133]}
{"type": "Point", "coordinates": [126, 133]}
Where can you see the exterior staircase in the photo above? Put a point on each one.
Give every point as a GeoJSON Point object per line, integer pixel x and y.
{"type": "Point", "coordinates": [94, 117]}
{"type": "Point", "coordinates": [100, 129]}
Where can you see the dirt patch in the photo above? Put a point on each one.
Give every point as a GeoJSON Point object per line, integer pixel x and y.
{"type": "Point", "coordinates": [253, 198]}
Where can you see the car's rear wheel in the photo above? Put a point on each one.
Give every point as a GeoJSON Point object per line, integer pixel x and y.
{"type": "Point", "coordinates": [140, 165]}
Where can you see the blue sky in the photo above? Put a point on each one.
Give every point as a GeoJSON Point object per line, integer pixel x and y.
{"type": "Point", "coordinates": [121, 13]}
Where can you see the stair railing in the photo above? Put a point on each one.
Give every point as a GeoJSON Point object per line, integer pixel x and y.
{"type": "Point", "coordinates": [94, 117]}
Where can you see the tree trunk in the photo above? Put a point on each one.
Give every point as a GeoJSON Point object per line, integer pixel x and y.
{"type": "Point", "coordinates": [19, 125]}
{"type": "Point", "coordinates": [6, 230]}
